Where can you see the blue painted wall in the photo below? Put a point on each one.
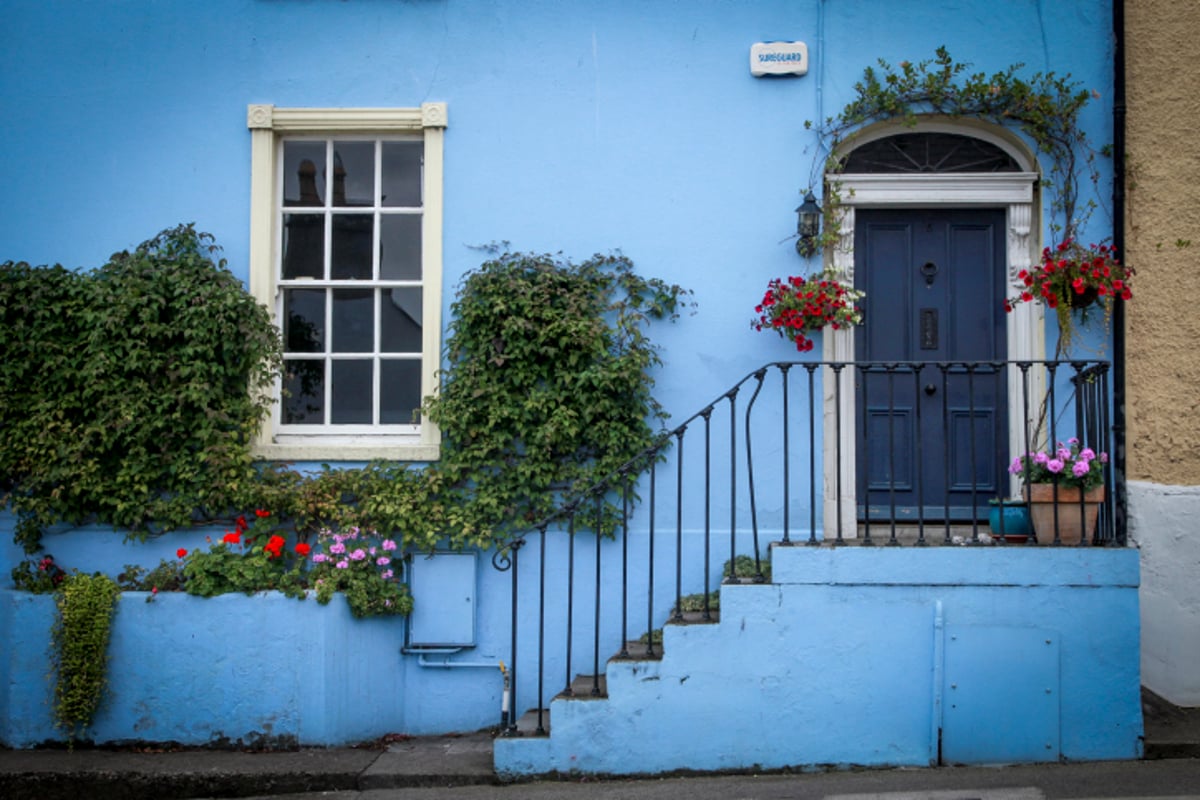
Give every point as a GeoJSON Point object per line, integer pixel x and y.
{"type": "Point", "coordinates": [574, 126]}
{"type": "Point", "coordinates": [865, 657]}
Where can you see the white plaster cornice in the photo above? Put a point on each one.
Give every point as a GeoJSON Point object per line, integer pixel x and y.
{"type": "Point", "coordinates": [346, 120]}
{"type": "Point", "coordinates": [999, 188]}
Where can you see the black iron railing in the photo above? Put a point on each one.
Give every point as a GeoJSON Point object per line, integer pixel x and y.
{"type": "Point", "coordinates": [787, 450]}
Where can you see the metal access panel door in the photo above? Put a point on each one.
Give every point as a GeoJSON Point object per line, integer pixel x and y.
{"type": "Point", "coordinates": [1000, 695]}
{"type": "Point", "coordinates": [443, 590]}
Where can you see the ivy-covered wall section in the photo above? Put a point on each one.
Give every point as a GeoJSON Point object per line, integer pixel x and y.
{"type": "Point", "coordinates": [129, 394]}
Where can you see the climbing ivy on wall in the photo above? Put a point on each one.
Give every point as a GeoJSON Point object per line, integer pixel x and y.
{"type": "Point", "coordinates": [1043, 106]}
{"type": "Point", "coordinates": [548, 385]}
{"type": "Point", "coordinates": [130, 394]}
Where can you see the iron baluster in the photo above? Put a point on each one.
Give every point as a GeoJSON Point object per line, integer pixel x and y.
{"type": "Point", "coordinates": [570, 597]}
{"type": "Point", "coordinates": [732, 395]}
{"type": "Point", "coordinates": [917, 370]}
{"type": "Point", "coordinates": [596, 621]}
{"type": "Point", "coordinates": [787, 457]}
{"type": "Point", "coordinates": [678, 617]}
{"type": "Point", "coordinates": [707, 414]}
{"type": "Point", "coordinates": [541, 672]}
{"type": "Point", "coordinates": [812, 456]}
{"type": "Point", "coordinates": [837, 424]}
{"type": "Point", "coordinates": [945, 368]}
{"type": "Point", "coordinates": [650, 562]}
{"type": "Point", "coordinates": [758, 376]}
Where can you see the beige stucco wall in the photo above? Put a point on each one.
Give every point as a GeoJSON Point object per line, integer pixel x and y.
{"type": "Point", "coordinates": [1163, 138]}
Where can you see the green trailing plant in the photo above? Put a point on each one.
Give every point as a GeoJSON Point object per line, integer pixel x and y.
{"type": "Point", "coordinates": [86, 604]}
{"type": "Point", "coordinates": [130, 394]}
{"type": "Point", "coordinates": [547, 388]}
{"type": "Point", "coordinates": [1045, 107]}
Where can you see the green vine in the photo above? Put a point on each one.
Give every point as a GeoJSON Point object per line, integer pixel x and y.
{"type": "Point", "coordinates": [86, 604]}
{"type": "Point", "coordinates": [1045, 107]}
{"type": "Point", "coordinates": [130, 394]}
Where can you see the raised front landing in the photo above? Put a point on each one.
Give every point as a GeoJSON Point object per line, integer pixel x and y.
{"type": "Point", "coordinates": [874, 657]}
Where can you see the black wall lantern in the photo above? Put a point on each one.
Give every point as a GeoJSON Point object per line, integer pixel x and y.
{"type": "Point", "coordinates": [808, 225]}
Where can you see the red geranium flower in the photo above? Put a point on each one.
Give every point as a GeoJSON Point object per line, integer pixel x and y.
{"type": "Point", "coordinates": [232, 537]}
{"type": "Point", "coordinates": [303, 549]}
{"type": "Point", "coordinates": [180, 553]}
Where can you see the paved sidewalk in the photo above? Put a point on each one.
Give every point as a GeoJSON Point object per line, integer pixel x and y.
{"type": "Point", "coordinates": [461, 761]}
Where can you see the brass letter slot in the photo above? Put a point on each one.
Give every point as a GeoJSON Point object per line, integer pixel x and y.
{"type": "Point", "coordinates": [929, 329]}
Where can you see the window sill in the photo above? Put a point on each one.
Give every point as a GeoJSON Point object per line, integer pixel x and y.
{"type": "Point", "coordinates": [348, 451]}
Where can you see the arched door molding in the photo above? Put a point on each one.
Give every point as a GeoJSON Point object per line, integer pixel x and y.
{"type": "Point", "coordinates": [1016, 192]}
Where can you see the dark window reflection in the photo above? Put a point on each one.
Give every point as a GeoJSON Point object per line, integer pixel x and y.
{"type": "Point", "coordinates": [353, 320]}
{"type": "Point", "coordinates": [400, 320]}
{"type": "Point", "coordinates": [304, 320]}
{"type": "Point", "coordinates": [303, 246]}
{"type": "Point", "coordinates": [353, 173]}
{"type": "Point", "coordinates": [400, 247]}
{"type": "Point", "coordinates": [351, 393]}
{"type": "Point", "coordinates": [303, 173]}
{"type": "Point", "coordinates": [400, 392]}
{"type": "Point", "coordinates": [350, 255]}
{"type": "Point", "coordinates": [304, 392]}
{"type": "Point", "coordinates": [401, 182]}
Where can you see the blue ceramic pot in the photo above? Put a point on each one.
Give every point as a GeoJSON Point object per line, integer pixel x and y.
{"type": "Point", "coordinates": [1017, 526]}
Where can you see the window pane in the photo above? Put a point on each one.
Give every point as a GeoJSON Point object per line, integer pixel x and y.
{"type": "Point", "coordinates": [354, 173]}
{"type": "Point", "coordinates": [401, 182]}
{"type": "Point", "coordinates": [303, 246]}
{"type": "Point", "coordinates": [303, 173]}
{"type": "Point", "coordinates": [400, 320]}
{"type": "Point", "coordinates": [353, 320]}
{"type": "Point", "coordinates": [400, 392]}
{"type": "Point", "coordinates": [304, 320]}
{"type": "Point", "coordinates": [350, 256]}
{"type": "Point", "coordinates": [304, 392]}
{"type": "Point", "coordinates": [400, 247]}
{"type": "Point", "coordinates": [351, 393]}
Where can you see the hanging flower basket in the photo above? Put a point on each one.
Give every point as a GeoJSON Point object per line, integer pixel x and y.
{"type": "Point", "coordinates": [1073, 277]}
{"type": "Point", "coordinates": [796, 307]}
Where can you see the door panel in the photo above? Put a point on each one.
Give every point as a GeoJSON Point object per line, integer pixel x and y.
{"type": "Point", "coordinates": [930, 437]}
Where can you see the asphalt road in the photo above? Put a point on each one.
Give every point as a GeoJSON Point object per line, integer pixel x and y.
{"type": "Point", "coordinates": [1173, 778]}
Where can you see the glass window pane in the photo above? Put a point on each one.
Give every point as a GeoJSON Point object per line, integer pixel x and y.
{"type": "Point", "coordinates": [303, 246]}
{"type": "Point", "coordinates": [304, 392]}
{"type": "Point", "coordinates": [354, 173]}
{"type": "Point", "coordinates": [303, 173]}
{"type": "Point", "coordinates": [353, 320]}
{"type": "Point", "coordinates": [352, 393]}
{"type": "Point", "coordinates": [400, 247]}
{"type": "Point", "coordinates": [401, 181]}
{"type": "Point", "coordinates": [350, 255]}
{"type": "Point", "coordinates": [304, 320]}
{"type": "Point", "coordinates": [400, 392]}
{"type": "Point", "coordinates": [400, 320]}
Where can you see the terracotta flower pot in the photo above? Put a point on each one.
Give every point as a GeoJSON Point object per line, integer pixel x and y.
{"type": "Point", "coordinates": [1071, 524]}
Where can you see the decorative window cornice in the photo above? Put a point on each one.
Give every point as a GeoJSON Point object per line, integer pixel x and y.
{"type": "Point", "coordinates": [345, 120]}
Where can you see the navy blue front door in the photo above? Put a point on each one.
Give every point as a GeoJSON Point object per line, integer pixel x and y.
{"type": "Point", "coordinates": [931, 439]}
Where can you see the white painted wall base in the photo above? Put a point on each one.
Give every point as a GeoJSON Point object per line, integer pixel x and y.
{"type": "Point", "coordinates": [1164, 522]}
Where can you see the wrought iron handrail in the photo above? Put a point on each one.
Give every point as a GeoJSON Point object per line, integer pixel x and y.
{"type": "Point", "coordinates": [1084, 411]}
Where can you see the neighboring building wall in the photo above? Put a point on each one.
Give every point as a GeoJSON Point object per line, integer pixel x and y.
{"type": "Point", "coordinates": [1162, 56]}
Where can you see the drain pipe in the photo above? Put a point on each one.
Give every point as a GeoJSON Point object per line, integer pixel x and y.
{"type": "Point", "coordinates": [1121, 507]}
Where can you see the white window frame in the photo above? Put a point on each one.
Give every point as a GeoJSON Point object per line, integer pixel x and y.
{"type": "Point", "coordinates": [268, 124]}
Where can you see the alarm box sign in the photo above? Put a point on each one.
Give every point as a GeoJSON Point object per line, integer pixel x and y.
{"type": "Point", "coordinates": [778, 58]}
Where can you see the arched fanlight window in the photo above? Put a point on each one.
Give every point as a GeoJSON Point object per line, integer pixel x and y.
{"type": "Point", "coordinates": [933, 152]}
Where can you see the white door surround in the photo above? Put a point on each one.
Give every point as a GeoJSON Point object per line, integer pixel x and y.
{"type": "Point", "coordinates": [1013, 191]}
